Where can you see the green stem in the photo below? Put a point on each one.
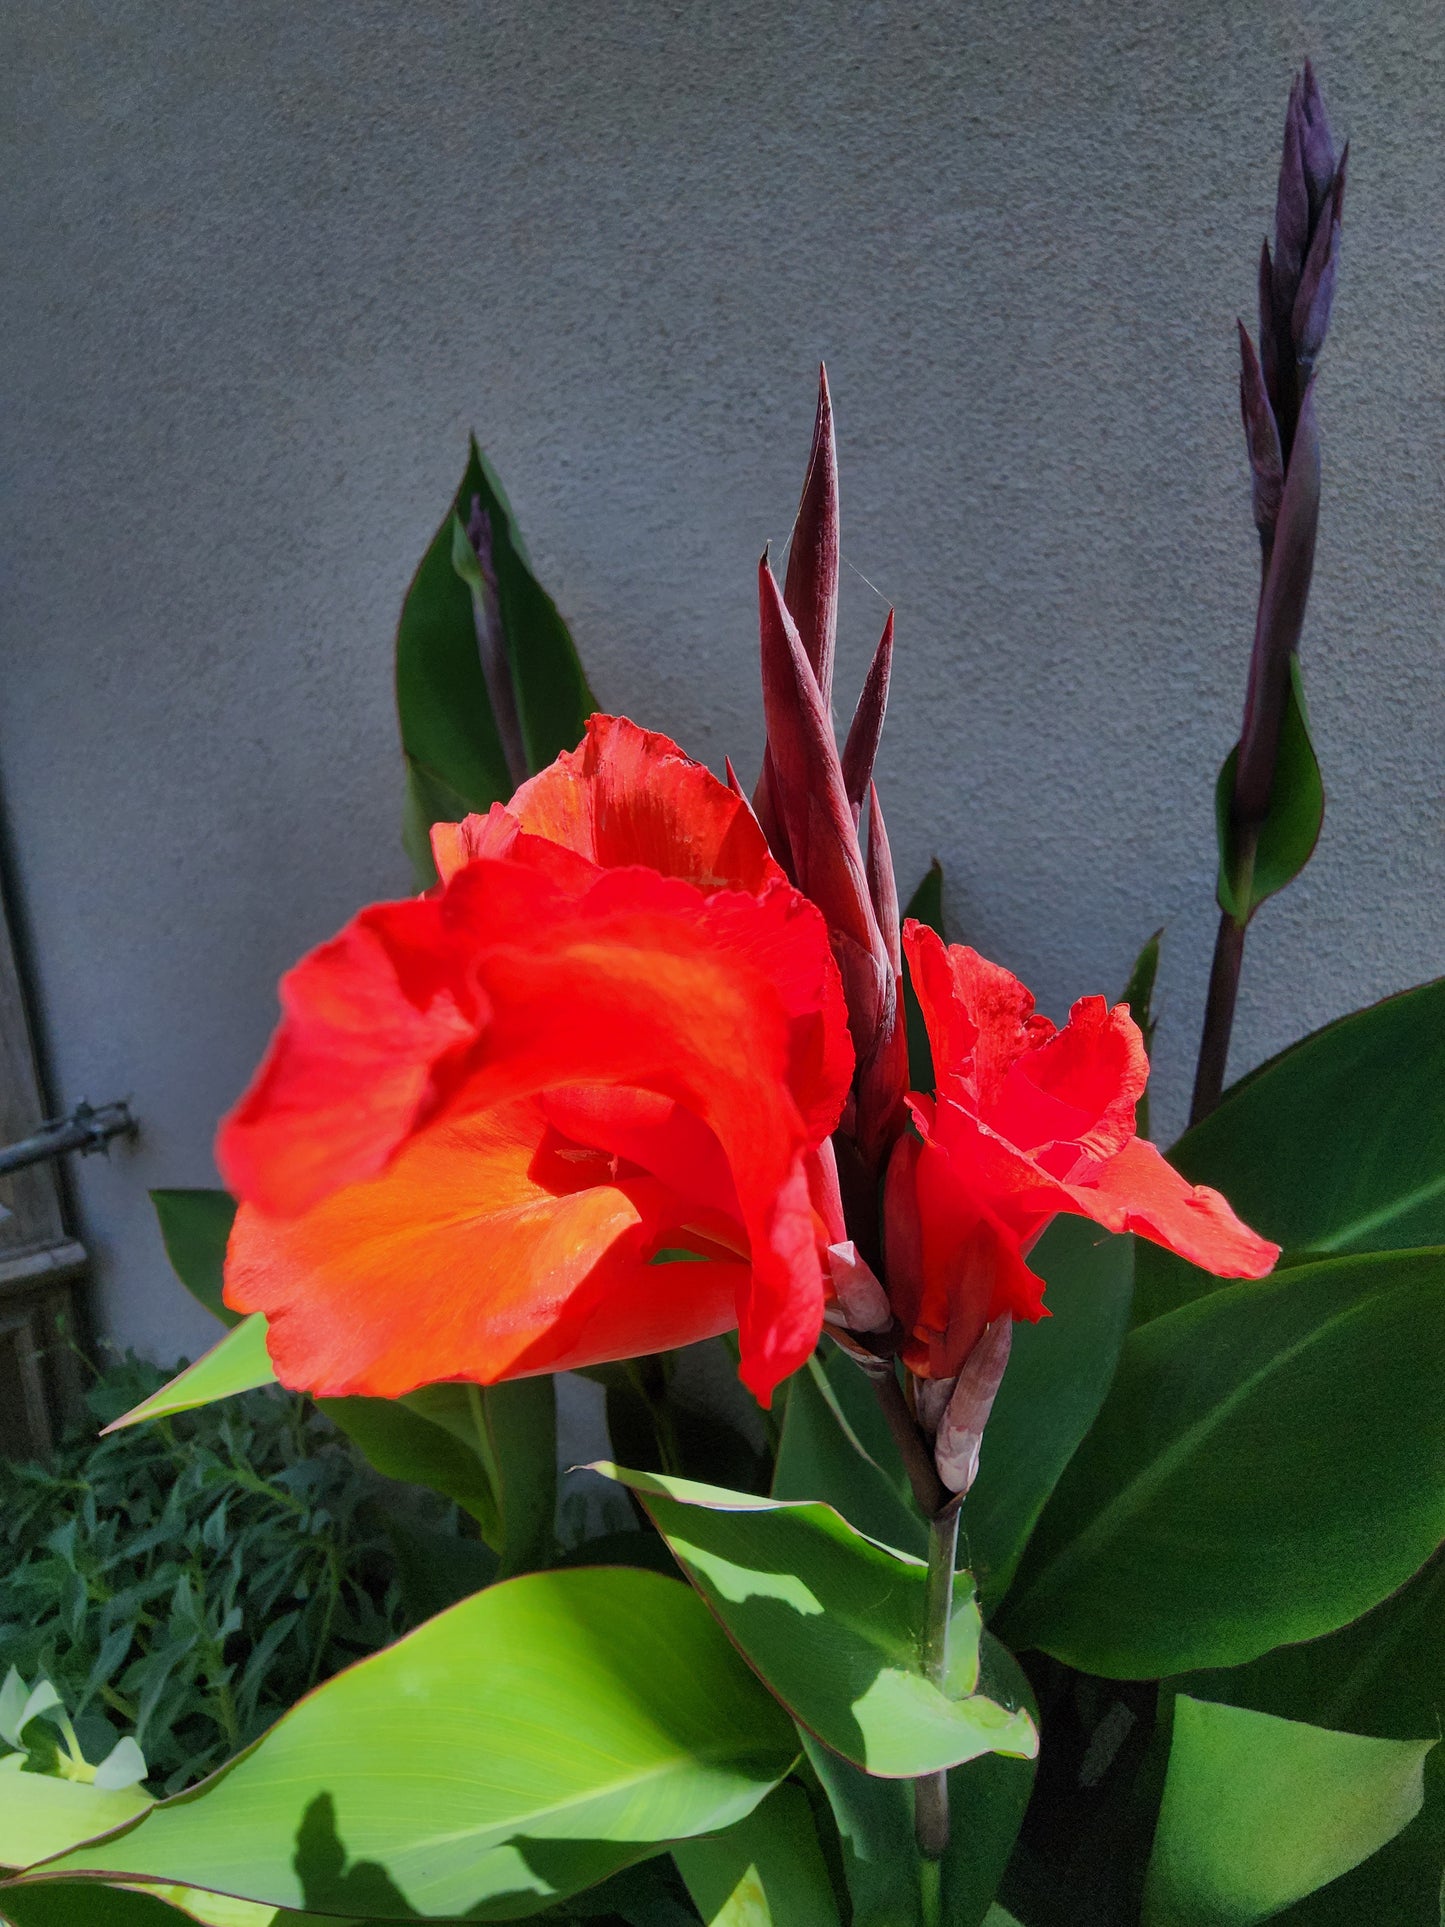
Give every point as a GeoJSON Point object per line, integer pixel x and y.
{"type": "Point", "coordinates": [930, 1892]}
{"type": "Point", "coordinates": [930, 1791]}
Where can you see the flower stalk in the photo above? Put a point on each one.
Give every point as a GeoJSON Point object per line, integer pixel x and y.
{"type": "Point", "coordinates": [930, 1792]}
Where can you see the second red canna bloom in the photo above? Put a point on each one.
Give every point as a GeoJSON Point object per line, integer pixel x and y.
{"type": "Point", "coordinates": [614, 1031]}
{"type": "Point", "coordinates": [1027, 1121]}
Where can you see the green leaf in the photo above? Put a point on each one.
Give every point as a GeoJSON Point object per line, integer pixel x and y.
{"type": "Point", "coordinates": [41, 1815]}
{"type": "Point", "coordinates": [450, 738]}
{"type": "Point", "coordinates": [1292, 826]}
{"type": "Point", "coordinates": [553, 696]}
{"type": "Point", "coordinates": [1379, 1675]}
{"type": "Point", "coordinates": [402, 1442]}
{"type": "Point", "coordinates": [833, 1624]}
{"type": "Point", "coordinates": [766, 1871]}
{"type": "Point", "coordinates": [239, 1362]}
{"type": "Point", "coordinates": [1265, 1469]}
{"type": "Point", "coordinates": [987, 1798]}
{"type": "Point", "coordinates": [1059, 1372]}
{"type": "Point", "coordinates": [926, 906]}
{"type": "Point", "coordinates": [835, 1448]}
{"type": "Point", "coordinates": [516, 1749]}
{"type": "Point", "coordinates": [1336, 1145]}
{"type": "Point", "coordinates": [1260, 1811]}
{"type": "Point", "coordinates": [195, 1227]}
{"type": "Point", "coordinates": [86, 1903]}
{"type": "Point", "coordinates": [1139, 996]}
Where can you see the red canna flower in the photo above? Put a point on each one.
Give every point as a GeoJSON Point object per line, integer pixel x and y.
{"type": "Point", "coordinates": [1027, 1121]}
{"type": "Point", "coordinates": [613, 1030]}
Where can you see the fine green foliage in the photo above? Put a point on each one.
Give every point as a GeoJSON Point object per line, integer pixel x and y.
{"type": "Point", "coordinates": [1292, 825]}
{"type": "Point", "coordinates": [1336, 1145]}
{"type": "Point", "coordinates": [833, 1624]}
{"type": "Point", "coordinates": [1259, 1811]}
{"type": "Point", "coordinates": [185, 1582]}
{"type": "Point", "coordinates": [516, 1749]}
{"type": "Point", "coordinates": [1210, 1514]}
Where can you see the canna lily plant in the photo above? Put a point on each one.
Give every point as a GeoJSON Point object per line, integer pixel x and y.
{"type": "Point", "coordinates": [1004, 1521]}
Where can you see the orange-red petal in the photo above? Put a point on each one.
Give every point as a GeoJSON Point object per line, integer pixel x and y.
{"type": "Point", "coordinates": [481, 1253]}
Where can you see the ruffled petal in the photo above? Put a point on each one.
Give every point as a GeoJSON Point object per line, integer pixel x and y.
{"type": "Point", "coordinates": [1078, 1087]}
{"type": "Point", "coordinates": [727, 1006]}
{"type": "Point", "coordinates": [488, 1249]}
{"type": "Point", "coordinates": [1139, 1190]}
{"type": "Point", "coordinates": [629, 796]}
{"type": "Point", "coordinates": [375, 1027]}
{"type": "Point", "coordinates": [980, 1018]}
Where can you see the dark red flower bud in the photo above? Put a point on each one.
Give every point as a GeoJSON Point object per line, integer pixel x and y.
{"type": "Point", "coordinates": [811, 586]}
{"type": "Point", "coordinates": [1311, 315]}
{"type": "Point", "coordinates": [861, 748]}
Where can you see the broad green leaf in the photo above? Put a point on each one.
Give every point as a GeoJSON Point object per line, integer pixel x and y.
{"type": "Point", "coordinates": [88, 1903]}
{"type": "Point", "coordinates": [1292, 826]}
{"type": "Point", "coordinates": [1337, 1145]}
{"type": "Point", "coordinates": [1264, 1469]}
{"type": "Point", "coordinates": [1380, 1675]}
{"type": "Point", "coordinates": [516, 1749]}
{"type": "Point", "coordinates": [925, 906]}
{"type": "Point", "coordinates": [195, 1227]}
{"type": "Point", "coordinates": [833, 1625]}
{"type": "Point", "coordinates": [239, 1362]}
{"type": "Point", "coordinates": [829, 1452]}
{"type": "Point", "coordinates": [453, 749]}
{"type": "Point", "coordinates": [987, 1798]}
{"type": "Point", "coordinates": [1259, 1811]}
{"type": "Point", "coordinates": [1059, 1372]}
{"type": "Point", "coordinates": [766, 1871]}
{"type": "Point", "coordinates": [42, 1815]}
{"type": "Point", "coordinates": [403, 1443]}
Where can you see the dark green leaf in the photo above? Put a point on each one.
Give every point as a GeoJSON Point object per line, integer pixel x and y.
{"type": "Point", "coordinates": [454, 751]}
{"type": "Point", "coordinates": [1139, 996]}
{"type": "Point", "coordinates": [515, 1750]}
{"type": "Point", "coordinates": [1292, 827]}
{"type": "Point", "coordinates": [833, 1624]}
{"type": "Point", "coordinates": [830, 1452]}
{"type": "Point", "coordinates": [1260, 1811]}
{"type": "Point", "coordinates": [1336, 1145]}
{"type": "Point", "coordinates": [767, 1868]}
{"type": "Point", "coordinates": [926, 906]}
{"type": "Point", "coordinates": [195, 1226]}
{"type": "Point", "coordinates": [1265, 1469]}
{"type": "Point", "coordinates": [403, 1443]}
{"type": "Point", "coordinates": [1058, 1374]}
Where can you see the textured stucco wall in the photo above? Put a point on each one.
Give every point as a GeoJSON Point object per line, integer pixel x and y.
{"type": "Point", "coordinates": [267, 264]}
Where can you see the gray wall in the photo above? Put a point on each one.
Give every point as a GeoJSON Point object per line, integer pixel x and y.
{"type": "Point", "coordinates": [271, 261]}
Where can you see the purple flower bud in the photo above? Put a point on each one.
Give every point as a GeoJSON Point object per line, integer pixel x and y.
{"type": "Point", "coordinates": [1261, 435]}
{"type": "Point", "coordinates": [1317, 146]}
{"type": "Point", "coordinates": [1311, 314]}
{"type": "Point", "coordinates": [1292, 206]}
{"type": "Point", "coordinates": [957, 1447]}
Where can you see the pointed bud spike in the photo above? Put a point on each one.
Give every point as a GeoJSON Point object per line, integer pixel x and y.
{"type": "Point", "coordinates": [959, 1442]}
{"type": "Point", "coordinates": [1280, 619]}
{"type": "Point", "coordinates": [1317, 146]}
{"type": "Point", "coordinates": [1261, 435]}
{"type": "Point", "coordinates": [732, 779]}
{"type": "Point", "coordinates": [883, 882]}
{"type": "Point", "coordinates": [1292, 207]}
{"type": "Point", "coordinates": [811, 587]}
{"type": "Point", "coordinates": [1268, 349]}
{"type": "Point", "coordinates": [861, 748]}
